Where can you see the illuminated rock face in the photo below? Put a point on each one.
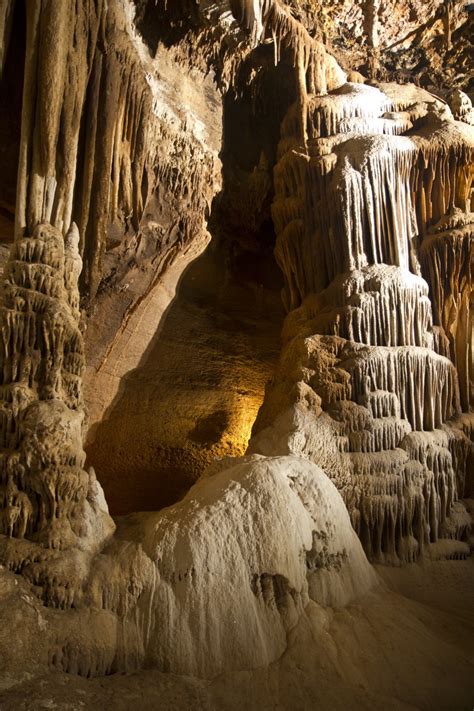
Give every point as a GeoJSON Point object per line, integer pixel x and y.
{"type": "Point", "coordinates": [375, 202]}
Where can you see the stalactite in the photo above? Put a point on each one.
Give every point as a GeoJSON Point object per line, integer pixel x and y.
{"type": "Point", "coordinates": [425, 383]}
{"type": "Point", "coordinates": [329, 115]}
{"type": "Point", "coordinates": [377, 305]}
{"type": "Point", "coordinates": [451, 252]}
{"type": "Point", "coordinates": [91, 153]}
{"type": "Point", "coordinates": [422, 178]}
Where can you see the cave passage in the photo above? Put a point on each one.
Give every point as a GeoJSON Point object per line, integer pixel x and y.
{"type": "Point", "coordinates": [196, 393]}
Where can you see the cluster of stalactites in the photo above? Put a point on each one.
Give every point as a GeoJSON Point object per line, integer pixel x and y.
{"type": "Point", "coordinates": [348, 199]}
{"type": "Point", "coordinates": [377, 305]}
{"type": "Point", "coordinates": [317, 71]}
{"type": "Point", "coordinates": [51, 116]}
{"type": "Point", "coordinates": [351, 200]}
{"type": "Point", "coordinates": [401, 466]}
{"type": "Point", "coordinates": [402, 504]}
{"type": "Point", "coordinates": [424, 383]}
{"type": "Point", "coordinates": [86, 136]}
{"type": "Point", "coordinates": [42, 480]}
{"type": "Point", "coordinates": [364, 215]}
{"type": "Point", "coordinates": [333, 215]}
{"type": "Point", "coordinates": [404, 484]}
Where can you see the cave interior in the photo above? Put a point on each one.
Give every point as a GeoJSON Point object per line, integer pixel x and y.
{"type": "Point", "coordinates": [236, 358]}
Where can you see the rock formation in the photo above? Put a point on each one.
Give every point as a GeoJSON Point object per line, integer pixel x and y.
{"type": "Point", "coordinates": [147, 127]}
{"type": "Point", "coordinates": [47, 496]}
{"type": "Point", "coordinates": [379, 197]}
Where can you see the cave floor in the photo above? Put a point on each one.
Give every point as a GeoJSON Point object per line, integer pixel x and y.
{"type": "Point", "coordinates": [408, 646]}
{"type": "Point", "coordinates": [196, 391]}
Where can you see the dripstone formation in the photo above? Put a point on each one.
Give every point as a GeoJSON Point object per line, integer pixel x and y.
{"type": "Point", "coordinates": [47, 496]}
{"type": "Point", "coordinates": [277, 576]}
{"type": "Point", "coordinates": [364, 209]}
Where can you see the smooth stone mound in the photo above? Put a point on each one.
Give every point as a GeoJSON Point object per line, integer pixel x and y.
{"type": "Point", "coordinates": [239, 559]}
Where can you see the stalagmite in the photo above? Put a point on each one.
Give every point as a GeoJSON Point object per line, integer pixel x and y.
{"type": "Point", "coordinates": [48, 496]}
{"type": "Point", "coordinates": [362, 214]}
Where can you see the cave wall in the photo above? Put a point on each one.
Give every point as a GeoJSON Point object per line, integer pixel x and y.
{"type": "Point", "coordinates": [128, 163]}
{"type": "Point", "coordinates": [105, 132]}
{"type": "Point", "coordinates": [194, 392]}
{"type": "Point", "coordinates": [363, 446]}
{"type": "Point", "coordinates": [173, 226]}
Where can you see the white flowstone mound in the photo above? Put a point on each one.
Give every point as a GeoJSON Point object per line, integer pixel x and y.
{"type": "Point", "coordinates": [240, 557]}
